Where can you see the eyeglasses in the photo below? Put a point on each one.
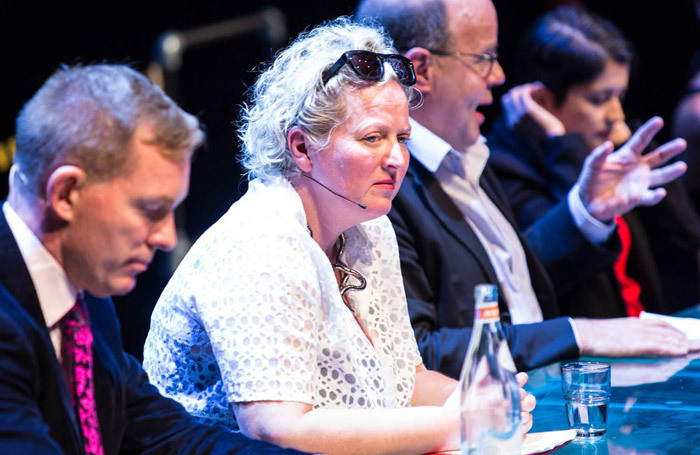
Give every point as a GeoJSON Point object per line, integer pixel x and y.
{"type": "Point", "coordinates": [370, 66]}
{"type": "Point", "coordinates": [483, 63]}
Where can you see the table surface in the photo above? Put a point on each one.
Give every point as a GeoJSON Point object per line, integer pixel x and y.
{"type": "Point", "coordinates": [654, 407]}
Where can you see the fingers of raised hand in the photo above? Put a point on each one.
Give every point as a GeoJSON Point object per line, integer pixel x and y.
{"type": "Point", "coordinates": [666, 174]}
{"type": "Point", "coordinates": [641, 138]}
{"type": "Point", "coordinates": [664, 153]}
{"type": "Point", "coordinates": [597, 157]}
{"type": "Point", "coordinates": [652, 196]}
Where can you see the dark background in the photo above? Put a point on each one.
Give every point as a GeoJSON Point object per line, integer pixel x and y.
{"type": "Point", "coordinates": [35, 39]}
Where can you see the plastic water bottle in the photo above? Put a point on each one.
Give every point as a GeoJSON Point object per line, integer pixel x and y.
{"type": "Point", "coordinates": [490, 401]}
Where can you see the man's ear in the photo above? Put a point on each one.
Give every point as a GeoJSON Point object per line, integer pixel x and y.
{"type": "Point", "coordinates": [545, 98]}
{"type": "Point", "coordinates": [298, 147]}
{"type": "Point", "coordinates": [63, 190]}
{"type": "Point", "coordinates": [424, 66]}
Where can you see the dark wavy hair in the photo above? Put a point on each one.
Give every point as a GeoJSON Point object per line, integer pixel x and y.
{"type": "Point", "coordinates": [569, 46]}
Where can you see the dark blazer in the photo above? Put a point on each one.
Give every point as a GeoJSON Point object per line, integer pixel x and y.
{"type": "Point", "coordinates": [442, 260]}
{"type": "Point", "coordinates": [36, 415]}
{"type": "Point", "coordinates": [537, 176]}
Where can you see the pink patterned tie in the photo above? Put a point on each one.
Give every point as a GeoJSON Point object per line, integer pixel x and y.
{"type": "Point", "coordinates": [77, 340]}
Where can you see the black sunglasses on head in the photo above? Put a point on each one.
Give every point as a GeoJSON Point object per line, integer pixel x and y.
{"type": "Point", "coordinates": [370, 66]}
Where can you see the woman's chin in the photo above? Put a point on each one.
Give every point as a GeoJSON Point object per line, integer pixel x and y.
{"type": "Point", "coordinates": [375, 209]}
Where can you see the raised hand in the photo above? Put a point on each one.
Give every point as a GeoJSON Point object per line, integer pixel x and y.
{"type": "Point", "coordinates": [526, 116]}
{"type": "Point", "coordinates": [613, 183]}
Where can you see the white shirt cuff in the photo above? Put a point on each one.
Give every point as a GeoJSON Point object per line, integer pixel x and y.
{"type": "Point", "coordinates": [595, 231]}
{"type": "Point", "coordinates": [573, 329]}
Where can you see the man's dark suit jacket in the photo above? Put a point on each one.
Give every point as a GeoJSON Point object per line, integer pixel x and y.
{"type": "Point", "coordinates": [442, 260]}
{"type": "Point", "coordinates": [663, 256]}
{"type": "Point", "coordinates": [36, 415]}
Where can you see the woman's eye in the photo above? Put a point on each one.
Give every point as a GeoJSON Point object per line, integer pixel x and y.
{"type": "Point", "coordinates": [599, 100]}
{"type": "Point", "coordinates": [372, 139]}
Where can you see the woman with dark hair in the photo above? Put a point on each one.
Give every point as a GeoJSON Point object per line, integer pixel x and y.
{"type": "Point", "coordinates": [576, 68]}
{"type": "Point", "coordinates": [583, 64]}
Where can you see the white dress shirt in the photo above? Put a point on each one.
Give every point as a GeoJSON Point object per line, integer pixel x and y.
{"type": "Point", "coordinates": [56, 295]}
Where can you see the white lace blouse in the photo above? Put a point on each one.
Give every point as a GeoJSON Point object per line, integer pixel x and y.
{"type": "Point", "coordinates": [254, 313]}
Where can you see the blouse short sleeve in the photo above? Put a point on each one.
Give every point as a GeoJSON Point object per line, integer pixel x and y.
{"type": "Point", "coordinates": [260, 310]}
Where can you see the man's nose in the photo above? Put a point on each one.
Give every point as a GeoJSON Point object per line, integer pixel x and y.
{"type": "Point", "coordinates": [164, 235]}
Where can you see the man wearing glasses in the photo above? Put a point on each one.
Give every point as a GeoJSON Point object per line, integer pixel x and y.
{"type": "Point", "coordinates": [454, 225]}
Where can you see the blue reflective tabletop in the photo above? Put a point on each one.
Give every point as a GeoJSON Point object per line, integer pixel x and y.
{"type": "Point", "coordinates": [654, 407]}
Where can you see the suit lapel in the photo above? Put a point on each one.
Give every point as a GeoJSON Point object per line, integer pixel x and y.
{"type": "Point", "coordinates": [539, 278]}
{"type": "Point", "coordinates": [492, 188]}
{"type": "Point", "coordinates": [449, 215]}
{"type": "Point", "coordinates": [15, 277]}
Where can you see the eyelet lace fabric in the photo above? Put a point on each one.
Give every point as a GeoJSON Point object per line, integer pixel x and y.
{"type": "Point", "coordinates": [254, 313]}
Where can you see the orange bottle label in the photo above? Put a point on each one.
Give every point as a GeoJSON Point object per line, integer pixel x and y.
{"type": "Point", "coordinates": [487, 313]}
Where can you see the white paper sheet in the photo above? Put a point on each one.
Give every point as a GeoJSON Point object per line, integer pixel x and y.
{"type": "Point", "coordinates": [689, 326]}
{"type": "Point", "coordinates": [536, 443]}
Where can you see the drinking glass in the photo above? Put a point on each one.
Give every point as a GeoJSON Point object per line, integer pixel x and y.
{"type": "Point", "coordinates": [586, 387]}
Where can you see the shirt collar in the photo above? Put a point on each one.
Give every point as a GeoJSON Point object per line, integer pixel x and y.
{"type": "Point", "coordinates": [475, 159]}
{"type": "Point", "coordinates": [56, 295]}
{"type": "Point", "coordinates": [430, 150]}
{"type": "Point", "coordinates": [427, 147]}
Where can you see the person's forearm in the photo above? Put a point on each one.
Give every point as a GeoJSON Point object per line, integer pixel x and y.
{"type": "Point", "coordinates": [405, 431]}
{"type": "Point", "coordinates": [415, 430]}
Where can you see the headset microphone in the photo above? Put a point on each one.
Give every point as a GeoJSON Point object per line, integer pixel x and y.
{"type": "Point", "coordinates": [360, 205]}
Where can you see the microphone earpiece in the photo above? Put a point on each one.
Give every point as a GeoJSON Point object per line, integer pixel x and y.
{"type": "Point", "coordinates": [359, 204]}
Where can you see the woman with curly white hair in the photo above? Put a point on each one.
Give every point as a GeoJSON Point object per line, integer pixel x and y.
{"type": "Point", "coordinates": [288, 319]}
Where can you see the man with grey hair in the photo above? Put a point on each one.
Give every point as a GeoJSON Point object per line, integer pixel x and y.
{"type": "Point", "coordinates": [455, 227]}
{"type": "Point", "coordinates": [103, 159]}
